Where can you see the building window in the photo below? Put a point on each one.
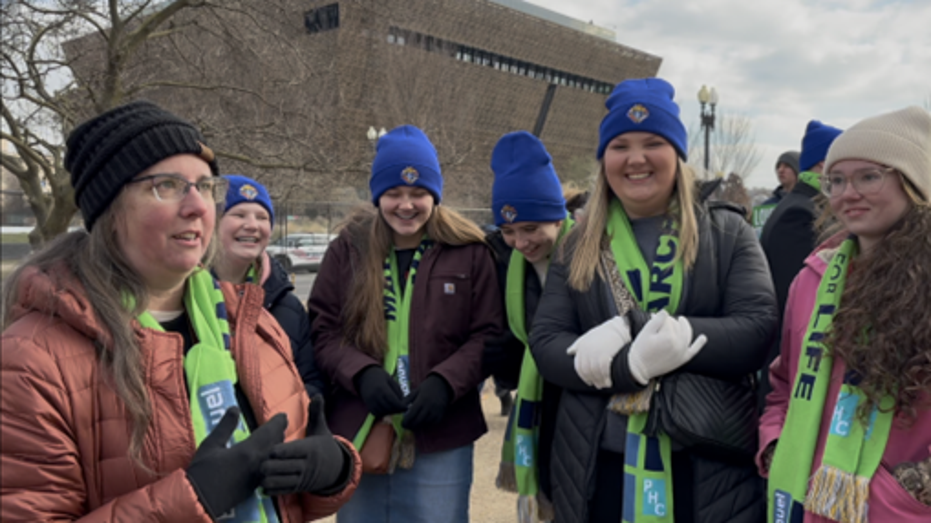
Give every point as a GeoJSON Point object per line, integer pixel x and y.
{"type": "Point", "coordinates": [322, 19]}
{"type": "Point", "coordinates": [463, 53]}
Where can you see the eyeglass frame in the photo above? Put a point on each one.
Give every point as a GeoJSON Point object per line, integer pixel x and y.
{"type": "Point", "coordinates": [219, 182]}
{"type": "Point", "coordinates": [884, 171]}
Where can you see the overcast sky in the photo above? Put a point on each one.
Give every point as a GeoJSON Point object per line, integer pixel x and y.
{"type": "Point", "coordinates": [780, 62]}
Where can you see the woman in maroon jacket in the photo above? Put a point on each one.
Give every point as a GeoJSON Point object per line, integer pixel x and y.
{"type": "Point", "coordinates": [401, 307]}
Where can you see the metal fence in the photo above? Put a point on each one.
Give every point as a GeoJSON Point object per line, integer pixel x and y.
{"type": "Point", "coordinates": [294, 217]}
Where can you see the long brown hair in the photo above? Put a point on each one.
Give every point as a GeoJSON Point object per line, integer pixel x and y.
{"type": "Point", "coordinates": [97, 261]}
{"type": "Point", "coordinates": [364, 315]}
{"type": "Point", "coordinates": [886, 297]}
{"type": "Point", "coordinates": [586, 237]}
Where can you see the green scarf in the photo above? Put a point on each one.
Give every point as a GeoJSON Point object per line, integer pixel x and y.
{"type": "Point", "coordinates": [760, 215]}
{"type": "Point", "coordinates": [811, 178]}
{"type": "Point", "coordinates": [519, 453]}
{"type": "Point", "coordinates": [396, 362]}
{"type": "Point", "coordinates": [251, 276]}
{"type": "Point", "coordinates": [648, 496]}
{"type": "Point", "coordinates": [211, 377]}
{"type": "Point", "coordinates": [840, 487]}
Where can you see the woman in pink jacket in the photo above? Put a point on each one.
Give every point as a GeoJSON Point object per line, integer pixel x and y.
{"type": "Point", "coordinates": [846, 435]}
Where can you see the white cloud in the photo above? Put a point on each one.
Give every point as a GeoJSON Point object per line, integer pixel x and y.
{"type": "Point", "coordinates": [781, 62]}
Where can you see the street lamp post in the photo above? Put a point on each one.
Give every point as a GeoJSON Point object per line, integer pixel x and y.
{"type": "Point", "coordinates": [374, 136]}
{"type": "Point", "coordinates": [707, 97]}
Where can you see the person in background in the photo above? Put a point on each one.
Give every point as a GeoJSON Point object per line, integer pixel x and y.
{"type": "Point", "coordinates": [787, 172]}
{"type": "Point", "coordinates": [846, 434]}
{"type": "Point", "coordinates": [403, 303]}
{"type": "Point", "coordinates": [789, 234]}
{"type": "Point", "coordinates": [135, 386]}
{"type": "Point", "coordinates": [245, 229]}
{"type": "Point", "coordinates": [652, 281]}
{"type": "Point", "coordinates": [575, 200]}
{"type": "Point", "coordinates": [531, 214]}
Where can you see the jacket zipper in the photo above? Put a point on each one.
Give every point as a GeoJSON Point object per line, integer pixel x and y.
{"type": "Point", "coordinates": [655, 411]}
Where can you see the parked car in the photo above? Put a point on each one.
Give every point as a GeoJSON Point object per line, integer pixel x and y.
{"type": "Point", "coordinates": [298, 252]}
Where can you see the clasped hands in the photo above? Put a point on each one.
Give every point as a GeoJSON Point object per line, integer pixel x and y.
{"type": "Point", "coordinates": [224, 477]}
{"type": "Point", "coordinates": [663, 345]}
{"type": "Point", "coordinates": [382, 395]}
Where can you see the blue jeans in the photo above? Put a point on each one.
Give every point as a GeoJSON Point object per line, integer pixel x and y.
{"type": "Point", "coordinates": [436, 489]}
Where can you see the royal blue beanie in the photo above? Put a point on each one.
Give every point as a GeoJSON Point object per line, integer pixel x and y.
{"type": "Point", "coordinates": [645, 105]}
{"type": "Point", "coordinates": [405, 156]}
{"type": "Point", "coordinates": [247, 190]}
{"type": "Point", "coordinates": [818, 139]}
{"type": "Point", "coordinates": [526, 188]}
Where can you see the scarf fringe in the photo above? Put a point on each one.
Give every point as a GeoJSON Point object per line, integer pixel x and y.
{"type": "Point", "coordinates": [628, 404]}
{"type": "Point", "coordinates": [403, 452]}
{"type": "Point", "coordinates": [839, 495]}
{"type": "Point", "coordinates": [507, 477]}
{"type": "Point", "coordinates": [534, 509]}
{"type": "Point", "coordinates": [545, 512]}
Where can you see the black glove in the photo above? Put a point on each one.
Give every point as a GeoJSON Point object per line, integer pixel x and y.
{"type": "Point", "coordinates": [313, 464]}
{"type": "Point", "coordinates": [427, 403]}
{"type": "Point", "coordinates": [224, 477]}
{"type": "Point", "coordinates": [380, 392]}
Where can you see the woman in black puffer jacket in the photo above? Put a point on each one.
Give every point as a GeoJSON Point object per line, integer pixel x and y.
{"type": "Point", "coordinates": [687, 290]}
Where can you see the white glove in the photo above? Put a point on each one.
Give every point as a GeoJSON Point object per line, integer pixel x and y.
{"type": "Point", "coordinates": [595, 349]}
{"type": "Point", "coordinates": [663, 345]}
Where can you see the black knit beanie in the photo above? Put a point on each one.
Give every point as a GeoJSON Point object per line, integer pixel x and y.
{"type": "Point", "coordinates": [112, 148]}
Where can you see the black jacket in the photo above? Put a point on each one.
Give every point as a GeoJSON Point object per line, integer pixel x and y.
{"type": "Point", "coordinates": [294, 321]}
{"type": "Point", "coordinates": [787, 239]}
{"type": "Point", "coordinates": [504, 354]}
{"type": "Point", "coordinates": [730, 300]}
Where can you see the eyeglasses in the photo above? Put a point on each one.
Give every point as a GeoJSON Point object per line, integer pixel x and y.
{"type": "Point", "coordinates": [865, 181]}
{"type": "Point", "coordinates": [171, 187]}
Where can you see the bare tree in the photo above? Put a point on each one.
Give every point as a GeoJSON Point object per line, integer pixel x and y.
{"type": "Point", "coordinates": [733, 190]}
{"type": "Point", "coordinates": [418, 93]}
{"type": "Point", "coordinates": [214, 62]}
{"type": "Point", "coordinates": [732, 146]}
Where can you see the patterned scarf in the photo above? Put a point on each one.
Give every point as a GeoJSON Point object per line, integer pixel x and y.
{"type": "Point", "coordinates": [396, 363]}
{"type": "Point", "coordinates": [519, 453]}
{"type": "Point", "coordinates": [647, 459]}
{"type": "Point", "coordinates": [211, 378]}
{"type": "Point", "coordinates": [840, 488]}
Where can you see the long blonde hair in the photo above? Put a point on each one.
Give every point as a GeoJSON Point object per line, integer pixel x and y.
{"type": "Point", "coordinates": [97, 261]}
{"type": "Point", "coordinates": [586, 238]}
{"type": "Point", "coordinates": [364, 315]}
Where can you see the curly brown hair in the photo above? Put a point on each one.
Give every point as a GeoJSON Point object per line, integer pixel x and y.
{"type": "Point", "coordinates": [887, 293]}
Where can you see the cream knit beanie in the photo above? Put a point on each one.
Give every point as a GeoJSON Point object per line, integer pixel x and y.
{"type": "Point", "coordinates": [900, 139]}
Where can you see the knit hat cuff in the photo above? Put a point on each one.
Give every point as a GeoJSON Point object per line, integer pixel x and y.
{"type": "Point", "coordinates": [99, 187]}
{"type": "Point", "coordinates": [516, 211]}
{"type": "Point", "coordinates": [246, 190]}
{"type": "Point", "coordinates": [426, 177]}
{"type": "Point", "coordinates": [658, 121]}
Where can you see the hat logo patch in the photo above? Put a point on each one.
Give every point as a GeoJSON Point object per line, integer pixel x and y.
{"type": "Point", "coordinates": [248, 192]}
{"type": "Point", "coordinates": [509, 213]}
{"type": "Point", "coordinates": [638, 113]}
{"type": "Point", "coordinates": [410, 175]}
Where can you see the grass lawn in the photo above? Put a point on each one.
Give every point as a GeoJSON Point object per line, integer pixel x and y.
{"type": "Point", "coordinates": [19, 237]}
{"type": "Point", "coordinates": [7, 267]}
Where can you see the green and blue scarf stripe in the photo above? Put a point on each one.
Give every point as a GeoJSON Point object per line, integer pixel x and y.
{"type": "Point", "coordinates": [211, 376]}
{"type": "Point", "coordinates": [839, 489]}
{"type": "Point", "coordinates": [520, 451]}
{"type": "Point", "coordinates": [647, 496]}
{"type": "Point", "coordinates": [397, 307]}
